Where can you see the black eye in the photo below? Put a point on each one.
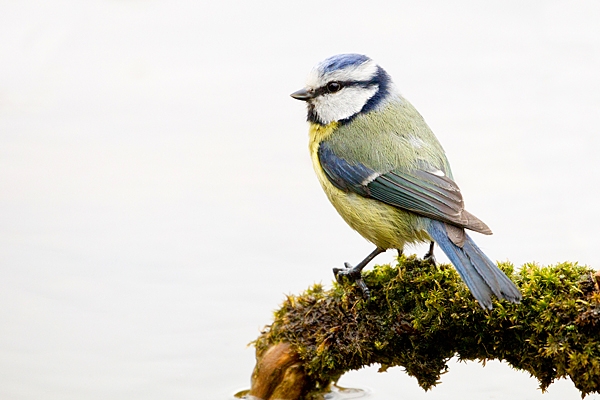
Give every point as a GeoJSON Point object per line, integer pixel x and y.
{"type": "Point", "coordinates": [333, 87]}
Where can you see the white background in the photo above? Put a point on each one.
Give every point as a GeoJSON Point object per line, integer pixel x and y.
{"type": "Point", "coordinates": [157, 200]}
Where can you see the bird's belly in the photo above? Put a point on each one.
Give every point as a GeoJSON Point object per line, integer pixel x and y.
{"type": "Point", "coordinates": [383, 225]}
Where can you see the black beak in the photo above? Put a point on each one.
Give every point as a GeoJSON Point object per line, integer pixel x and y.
{"type": "Point", "coordinates": [303, 95]}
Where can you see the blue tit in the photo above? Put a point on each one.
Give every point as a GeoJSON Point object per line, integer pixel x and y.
{"type": "Point", "coordinates": [387, 175]}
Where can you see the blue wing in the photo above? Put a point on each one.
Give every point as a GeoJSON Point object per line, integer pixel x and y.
{"type": "Point", "coordinates": [421, 191]}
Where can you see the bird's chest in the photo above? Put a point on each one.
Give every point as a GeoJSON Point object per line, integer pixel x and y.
{"type": "Point", "coordinates": [384, 225]}
{"type": "Point", "coordinates": [318, 134]}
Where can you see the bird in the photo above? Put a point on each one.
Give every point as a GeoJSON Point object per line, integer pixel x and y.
{"type": "Point", "coordinates": [388, 176]}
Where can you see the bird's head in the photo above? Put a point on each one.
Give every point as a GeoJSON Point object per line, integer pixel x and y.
{"type": "Point", "coordinates": [343, 86]}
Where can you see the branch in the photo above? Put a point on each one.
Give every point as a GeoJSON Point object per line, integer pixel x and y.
{"type": "Point", "coordinates": [419, 316]}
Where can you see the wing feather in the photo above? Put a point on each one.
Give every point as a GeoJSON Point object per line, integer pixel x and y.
{"type": "Point", "coordinates": [420, 191]}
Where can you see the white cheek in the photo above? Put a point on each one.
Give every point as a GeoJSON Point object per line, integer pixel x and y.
{"type": "Point", "coordinates": [343, 104]}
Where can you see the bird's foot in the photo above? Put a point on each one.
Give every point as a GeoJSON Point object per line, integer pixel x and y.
{"type": "Point", "coordinates": [353, 274]}
{"type": "Point", "coordinates": [429, 255]}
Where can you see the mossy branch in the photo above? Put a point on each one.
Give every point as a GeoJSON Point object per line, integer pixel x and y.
{"type": "Point", "coordinates": [419, 316]}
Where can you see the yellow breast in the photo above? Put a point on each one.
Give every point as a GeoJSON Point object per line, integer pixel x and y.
{"type": "Point", "coordinates": [383, 225]}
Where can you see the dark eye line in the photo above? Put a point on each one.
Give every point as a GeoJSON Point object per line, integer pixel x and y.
{"type": "Point", "coordinates": [324, 89]}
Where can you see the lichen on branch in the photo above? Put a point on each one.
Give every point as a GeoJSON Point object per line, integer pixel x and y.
{"type": "Point", "coordinates": [421, 315]}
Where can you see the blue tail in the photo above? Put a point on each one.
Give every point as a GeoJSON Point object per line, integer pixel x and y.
{"type": "Point", "coordinates": [480, 274]}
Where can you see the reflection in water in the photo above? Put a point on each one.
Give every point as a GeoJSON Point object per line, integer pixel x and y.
{"type": "Point", "coordinates": [337, 393]}
{"type": "Point", "coordinates": [340, 393]}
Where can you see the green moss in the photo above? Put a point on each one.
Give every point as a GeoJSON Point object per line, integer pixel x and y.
{"type": "Point", "coordinates": [420, 315]}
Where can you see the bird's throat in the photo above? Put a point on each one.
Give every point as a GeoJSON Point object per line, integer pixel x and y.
{"type": "Point", "coordinates": [318, 133]}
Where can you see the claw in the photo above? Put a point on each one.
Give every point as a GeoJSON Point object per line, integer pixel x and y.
{"type": "Point", "coordinates": [354, 273]}
{"type": "Point", "coordinates": [429, 255]}
{"type": "Point", "coordinates": [337, 272]}
{"type": "Point", "coordinates": [363, 288]}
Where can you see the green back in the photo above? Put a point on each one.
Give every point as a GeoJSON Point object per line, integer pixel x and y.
{"type": "Point", "coordinates": [392, 138]}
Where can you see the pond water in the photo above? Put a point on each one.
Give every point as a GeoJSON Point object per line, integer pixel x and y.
{"type": "Point", "coordinates": [157, 200]}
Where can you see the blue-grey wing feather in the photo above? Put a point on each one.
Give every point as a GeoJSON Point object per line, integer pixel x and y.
{"type": "Point", "coordinates": [419, 191]}
{"type": "Point", "coordinates": [343, 175]}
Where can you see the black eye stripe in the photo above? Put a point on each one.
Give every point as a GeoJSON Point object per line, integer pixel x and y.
{"type": "Point", "coordinates": [323, 89]}
{"type": "Point", "coordinates": [380, 81]}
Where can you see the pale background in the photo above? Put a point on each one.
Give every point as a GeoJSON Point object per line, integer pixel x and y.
{"type": "Point", "coordinates": [157, 199]}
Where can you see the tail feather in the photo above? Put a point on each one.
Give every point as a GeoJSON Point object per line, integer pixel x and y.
{"type": "Point", "coordinates": [481, 275]}
{"type": "Point", "coordinates": [497, 280]}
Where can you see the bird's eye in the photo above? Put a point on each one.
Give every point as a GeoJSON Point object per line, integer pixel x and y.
{"type": "Point", "coordinates": [333, 87]}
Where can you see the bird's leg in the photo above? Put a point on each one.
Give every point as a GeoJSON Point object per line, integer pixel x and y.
{"type": "Point", "coordinates": [400, 252]}
{"type": "Point", "coordinates": [429, 255]}
{"type": "Point", "coordinates": [354, 273]}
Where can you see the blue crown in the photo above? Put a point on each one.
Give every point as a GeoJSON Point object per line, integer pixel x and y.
{"type": "Point", "coordinates": [340, 61]}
